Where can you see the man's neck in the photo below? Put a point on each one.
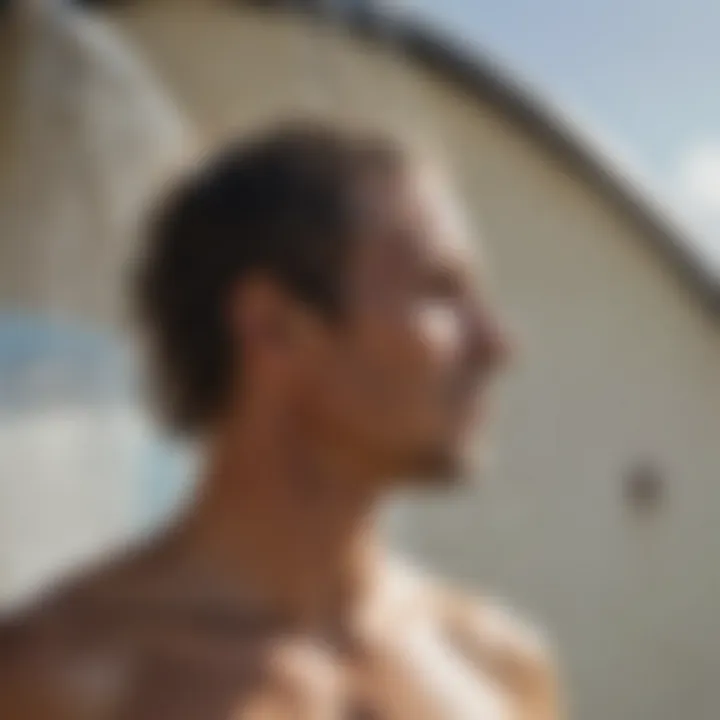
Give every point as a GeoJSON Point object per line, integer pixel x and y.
{"type": "Point", "coordinates": [288, 528]}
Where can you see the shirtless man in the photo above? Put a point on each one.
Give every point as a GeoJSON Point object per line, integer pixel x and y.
{"type": "Point", "coordinates": [315, 325]}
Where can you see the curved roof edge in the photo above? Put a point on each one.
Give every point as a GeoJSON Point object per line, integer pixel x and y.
{"type": "Point", "coordinates": [476, 75]}
{"type": "Point", "coordinates": [484, 79]}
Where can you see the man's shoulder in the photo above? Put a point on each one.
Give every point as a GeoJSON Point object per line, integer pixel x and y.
{"type": "Point", "coordinates": [31, 631]}
{"type": "Point", "coordinates": [45, 670]}
{"type": "Point", "coordinates": [498, 642]}
{"type": "Point", "coordinates": [496, 635]}
{"type": "Point", "coordinates": [486, 627]}
{"type": "Point", "coordinates": [62, 649]}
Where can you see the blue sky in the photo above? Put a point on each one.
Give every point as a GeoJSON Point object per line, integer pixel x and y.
{"type": "Point", "coordinates": [642, 76]}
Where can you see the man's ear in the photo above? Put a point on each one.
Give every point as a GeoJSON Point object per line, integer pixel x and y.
{"type": "Point", "coordinates": [268, 321]}
{"type": "Point", "coordinates": [257, 314]}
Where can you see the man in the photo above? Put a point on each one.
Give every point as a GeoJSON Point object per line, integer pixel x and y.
{"type": "Point", "coordinates": [314, 322]}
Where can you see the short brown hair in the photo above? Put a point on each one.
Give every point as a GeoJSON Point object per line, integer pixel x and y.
{"type": "Point", "coordinates": [280, 203]}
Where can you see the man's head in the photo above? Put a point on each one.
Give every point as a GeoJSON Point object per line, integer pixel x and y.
{"type": "Point", "coordinates": [323, 277]}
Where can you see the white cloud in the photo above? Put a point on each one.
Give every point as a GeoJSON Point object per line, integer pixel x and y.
{"type": "Point", "coordinates": [689, 197]}
{"type": "Point", "coordinates": [697, 195]}
{"type": "Point", "coordinates": [699, 175]}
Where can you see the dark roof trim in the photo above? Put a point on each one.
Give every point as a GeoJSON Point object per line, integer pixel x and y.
{"type": "Point", "coordinates": [487, 81]}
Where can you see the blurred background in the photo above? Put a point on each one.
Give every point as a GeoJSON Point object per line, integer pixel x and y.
{"type": "Point", "coordinates": [586, 141]}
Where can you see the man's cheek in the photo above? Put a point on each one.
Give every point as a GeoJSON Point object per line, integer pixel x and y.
{"type": "Point", "coordinates": [439, 332]}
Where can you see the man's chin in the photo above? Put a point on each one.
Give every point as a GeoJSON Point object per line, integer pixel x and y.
{"type": "Point", "coordinates": [442, 468]}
